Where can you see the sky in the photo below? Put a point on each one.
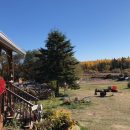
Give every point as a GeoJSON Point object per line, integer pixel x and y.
{"type": "Point", "coordinates": [99, 29]}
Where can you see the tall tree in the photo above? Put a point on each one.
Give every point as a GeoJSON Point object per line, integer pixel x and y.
{"type": "Point", "coordinates": [18, 66]}
{"type": "Point", "coordinates": [57, 62]}
{"type": "Point", "coordinates": [30, 64]}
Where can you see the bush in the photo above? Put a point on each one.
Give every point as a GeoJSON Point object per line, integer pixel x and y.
{"type": "Point", "coordinates": [61, 118]}
{"type": "Point", "coordinates": [74, 86]}
{"type": "Point", "coordinates": [58, 119]}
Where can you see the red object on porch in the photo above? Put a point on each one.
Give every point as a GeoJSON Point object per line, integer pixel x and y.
{"type": "Point", "coordinates": [114, 88]}
{"type": "Point", "coordinates": [2, 86]}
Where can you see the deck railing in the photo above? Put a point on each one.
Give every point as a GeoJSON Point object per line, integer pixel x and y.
{"type": "Point", "coordinates": [16, 103]}
{"type": "Point", "coordinates": [23, 93]}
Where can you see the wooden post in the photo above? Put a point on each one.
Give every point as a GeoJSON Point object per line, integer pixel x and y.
{"type": "Point", "coordinates": [3, 102]}
{"type": "Point", "coordinates": [1, 59]}
{"type": "Point", "coordinates": [1, 111]}
{"type": "Point", "coordinates": [0, 104]}
{"type": "Point", "coordinates": [0, 50]}
{"type": "Point", "coordinates": [1, 122]}
{"type": "Point", "coordinates": [10, 78]}
{"type": "Point", "coordinates": [10, 62]}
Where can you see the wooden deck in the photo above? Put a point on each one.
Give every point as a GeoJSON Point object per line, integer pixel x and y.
{"type": "Point", "coordinates": [15, 106]}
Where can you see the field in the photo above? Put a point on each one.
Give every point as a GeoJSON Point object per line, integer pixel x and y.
{"type": "Point", "coordinates": [109, 113]}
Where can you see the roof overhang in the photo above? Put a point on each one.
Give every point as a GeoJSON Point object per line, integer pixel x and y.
{"type": "Point", "coordinates": [6, 43]}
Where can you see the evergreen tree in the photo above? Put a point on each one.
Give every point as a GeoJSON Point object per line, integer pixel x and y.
{"type": "Point", "coordinates": [57, 62]}
{"type": "Point", "coordinates": [115, 64]}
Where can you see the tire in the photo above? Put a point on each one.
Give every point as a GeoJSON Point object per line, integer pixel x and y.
{"type": "Point", "coordinates": [102, 94]}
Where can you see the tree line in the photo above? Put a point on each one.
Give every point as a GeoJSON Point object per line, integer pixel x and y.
{"type": "Point", "coordinates": [118, 65]}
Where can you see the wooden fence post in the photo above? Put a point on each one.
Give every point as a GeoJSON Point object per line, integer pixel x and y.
{"type": "Point", "coordinates": [1, 117]}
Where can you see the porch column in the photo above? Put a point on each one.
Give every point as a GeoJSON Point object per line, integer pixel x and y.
{"type": "Point", "coordinates": [10, 63]}
{"type": "Point", "coordinates": [0, 50]}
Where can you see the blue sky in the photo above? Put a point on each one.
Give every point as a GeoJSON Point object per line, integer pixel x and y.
{"type": "Point", "coordinates": [97, 28]}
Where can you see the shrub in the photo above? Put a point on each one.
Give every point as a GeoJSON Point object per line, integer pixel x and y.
{"type": "Point", "coordinates": [58, 119]}
{"type": "Point", "coordinates": [61, 118]}
{"type": "Point", "coordinates": [74, 86]}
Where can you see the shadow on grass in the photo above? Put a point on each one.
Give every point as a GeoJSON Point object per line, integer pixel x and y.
{"type": "Point", "coordinates": [76, 105]}
{"type": "Point", "coordinates": [63, 95]}
{"type": "Point", "coordinates": [105, 96]}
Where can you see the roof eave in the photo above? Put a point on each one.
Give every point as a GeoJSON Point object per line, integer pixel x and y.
{"type": "Point", "coordinates": [7, 42]}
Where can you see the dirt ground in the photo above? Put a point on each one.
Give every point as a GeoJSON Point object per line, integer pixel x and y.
{"type": "Point", "coordinates": [109, 113]}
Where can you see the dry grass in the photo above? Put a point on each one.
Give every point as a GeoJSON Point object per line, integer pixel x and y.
{"type": "Point", "coordinates": [108, 113]}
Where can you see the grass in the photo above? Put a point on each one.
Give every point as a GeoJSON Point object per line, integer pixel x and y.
{"type": "Point", "coordinates": [58, 103]}
{"type": "Point", "coordinates": [51, 103]}
{"type": "Point", "coordinates": [108, 113]}
{"type": "Point", "coordinates": [77, 105]}
{"type": "Point", "coordinates": [83, 128]}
